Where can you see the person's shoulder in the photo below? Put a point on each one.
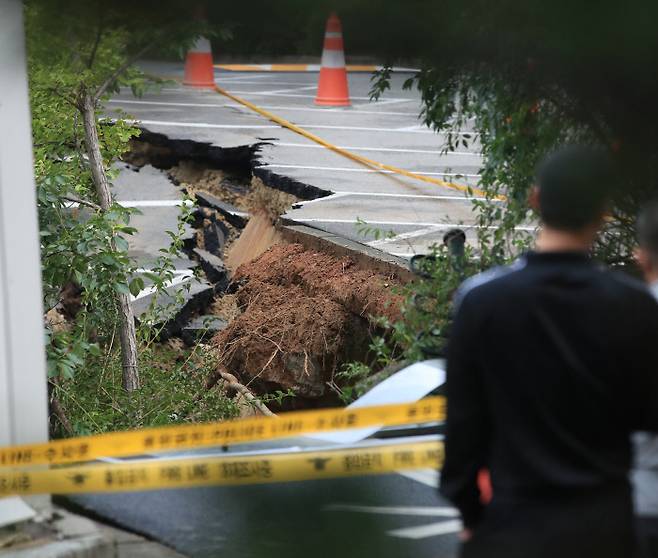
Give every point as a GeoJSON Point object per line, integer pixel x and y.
{"type": "Point", "coordinates": [490, 279]}
{"type": "Point", "coordinates": [629, 287]}
{"type": "Point", "coordinates": [625, 284]}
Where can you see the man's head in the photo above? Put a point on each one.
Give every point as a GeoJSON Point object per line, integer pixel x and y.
{"type": "Point", "coordinates": [573, 188]}
{"type": "Point", "coordinates": [646, 253]}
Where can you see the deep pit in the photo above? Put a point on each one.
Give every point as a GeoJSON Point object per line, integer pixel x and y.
{"type": "Point", "coordinates": [282, 316]}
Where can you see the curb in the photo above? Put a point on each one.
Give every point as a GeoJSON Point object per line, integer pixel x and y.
{"type": "Point", "coordinates": [74, 537]}
{"type": "Point", "coordinates": [93, 546]}
{"type": "Point", "coordinates": [365, 257]}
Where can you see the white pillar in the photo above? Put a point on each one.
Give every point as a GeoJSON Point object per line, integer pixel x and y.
{"type": "Point", "coordinates": [23, 383]}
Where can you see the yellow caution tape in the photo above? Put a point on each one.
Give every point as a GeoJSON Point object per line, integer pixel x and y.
{"type": "Point", "coordinates": [358, 158]}
{"type": "Point", "coordinates": [120, 444]}
{"type": "Point", "coordinates": [257, 469]}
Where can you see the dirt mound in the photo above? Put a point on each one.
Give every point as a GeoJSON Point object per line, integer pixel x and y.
{"type": "Point", "coordinates": [303, 314]}
{"type": "Point", "coordinates": [361, 292]}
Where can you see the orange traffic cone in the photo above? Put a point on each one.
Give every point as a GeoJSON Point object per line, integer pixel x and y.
{"type": "Point", "coordinates": [199, 70]}
{"type": "Point", "coordinates": [332, 85]}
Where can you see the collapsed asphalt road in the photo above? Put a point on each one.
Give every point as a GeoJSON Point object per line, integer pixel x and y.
{"type": "Point", "coordinates": [391, 515]}
{"type": "Point", "coordinates": [388, 131]}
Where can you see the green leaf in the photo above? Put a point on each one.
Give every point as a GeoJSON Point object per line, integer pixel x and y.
{"type": "Point", "coordinates": [108, 259]}
{"type": "Point", "coordinates": [121, 288]}
{"type": "Point", "coordinates": [136, 286]}
{"type": "Point", "coordinates": [121, 243]}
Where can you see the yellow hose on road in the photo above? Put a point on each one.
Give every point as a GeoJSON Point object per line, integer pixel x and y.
{"type": "Point", "coordinates": [357, 158]}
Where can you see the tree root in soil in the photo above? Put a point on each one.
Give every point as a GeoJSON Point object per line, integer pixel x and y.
{"type": "Point", "coordinates": [233, 384]}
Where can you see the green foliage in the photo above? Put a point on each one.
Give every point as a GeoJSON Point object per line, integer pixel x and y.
{"type": "Point", "coordinates": [426, 309]}
{"type": "Point", "coordinates": [81, 245]}
{"type": "Point", "coordinates": [350, 381]}
{"type": "Point", "coordinates": [423, 330]}
{"type": "Point", "coordinates": [514, 105]}
{"type": "Point", "coordinates": [74, 48]}
{"type": "Point", "coordinates": [66, 353]}
{"type": "Point", "coordinates": [173, 391]}
{"type": "Point", "coordinates": [364, 229]}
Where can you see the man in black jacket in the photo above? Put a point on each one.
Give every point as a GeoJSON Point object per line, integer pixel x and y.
{"type": "Point", "coordinates": [552, 363]}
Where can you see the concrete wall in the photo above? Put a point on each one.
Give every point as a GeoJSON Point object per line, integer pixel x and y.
{"type": "Point", "coordinates": [23, 385]}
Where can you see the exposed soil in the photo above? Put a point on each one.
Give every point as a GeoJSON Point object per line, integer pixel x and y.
{"type": "Point", "coordinates": [361, 292]}
{"type": "Point", "coordinates": [257, 236]}
{"type": "Point", "coordinates": [226, 307]}
{"type": "Point", "coordinates": [269, 200]}
{"type": "Point", "coordinates": [264, 204]}
{"type": "Point", "coordinates": [303, 314]}
{"type": "Point", "coordinates": [295, 315]}
{"type": "Point", "coordinates": [194, 177]}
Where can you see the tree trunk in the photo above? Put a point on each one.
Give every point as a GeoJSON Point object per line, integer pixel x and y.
{"type": "Point", "coordinates": [127, 319]}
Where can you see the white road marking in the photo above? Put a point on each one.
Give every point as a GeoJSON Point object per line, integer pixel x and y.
{"type": "Point", "coordinates": [407, 224]}
{"type": "Point", "coordinates": [155, 203]}
{"type": "Point", "coordinates": [245, 78]}
{"type": "Point", "coordinates": [331, 197]}
{"type": "Point", "coordinates": [425, 531]}
{"type": "Point", "coordinates": [380, 149]}
{"type": "Point", "coordinates": [410, 128]}
{"type": "Point", "coordinates": [144, 203]}
{"type": "Point", "coordinates": [421, 511]}
{"type": "Point", "coordinates": [168, 103]}
{"type": "Point", "coordinates": [463, 197]}
{"type": "Point", "coordinates": [388, 101]}
{"type": "Point", "coordinates": [245, 81]}
{"type": "Point", "coordinates": [346, 169]}
{"type": "Point", "coordinates": [403, 236]}
{"type": "Point", "coordinates": [343, 110]}
{"type": "Point", "coordinates": [258, 94]}
{"type": "Point", "coordinates": [428, 477]}
{"type": "Point", "coordinates": [369, 129]}
{"type": "Point", "coordinates": [347, 193]}
{"type": "Point", "coordinates": [365, 129]}
{"type": "Point", "coordinates": [206, 125]}
{"type": "Point", "coordinates": [417, 532]}
{"type": "Point", "coordinates": [177, 280]}
{"type": "Point", "coordinates": [174, 271]}
{"type": "Point", "coordinates": [307, 126]}
{"type": "Point", "coordinates": [277, 91]}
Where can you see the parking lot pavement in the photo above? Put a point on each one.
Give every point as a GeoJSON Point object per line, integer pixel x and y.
{"type": "Point", "coordinates": [386, 131]}
{"type": "Point", "coordinates": [385, 517]}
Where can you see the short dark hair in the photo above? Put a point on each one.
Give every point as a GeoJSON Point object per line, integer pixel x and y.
{"type": "Point", "coordinates": [575, 184]}
{"type": "Point", "coordinates": [647, 228]}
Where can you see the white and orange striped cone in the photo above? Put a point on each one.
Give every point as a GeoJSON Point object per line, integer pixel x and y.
{"type": "Point", "coordinates": [199, 71]}
{"type": "Point", "coordinates": [332, 85]}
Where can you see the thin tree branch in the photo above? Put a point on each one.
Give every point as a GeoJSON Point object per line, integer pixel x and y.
{"type": "Point", "coordinates": [233, 383]}
{"type": "Point", "coordinates": [120, 70]}
{"type": "Point", "coordinates": [63, 97]}
{"type": "Point", "coordinates": [58, 411]}
{"type": "Point", "coordinates": [97, 40]}
{"type": "Point", "coordinates": [92, 205]}
{"type": "Point", "coordinates": [165, 32]}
